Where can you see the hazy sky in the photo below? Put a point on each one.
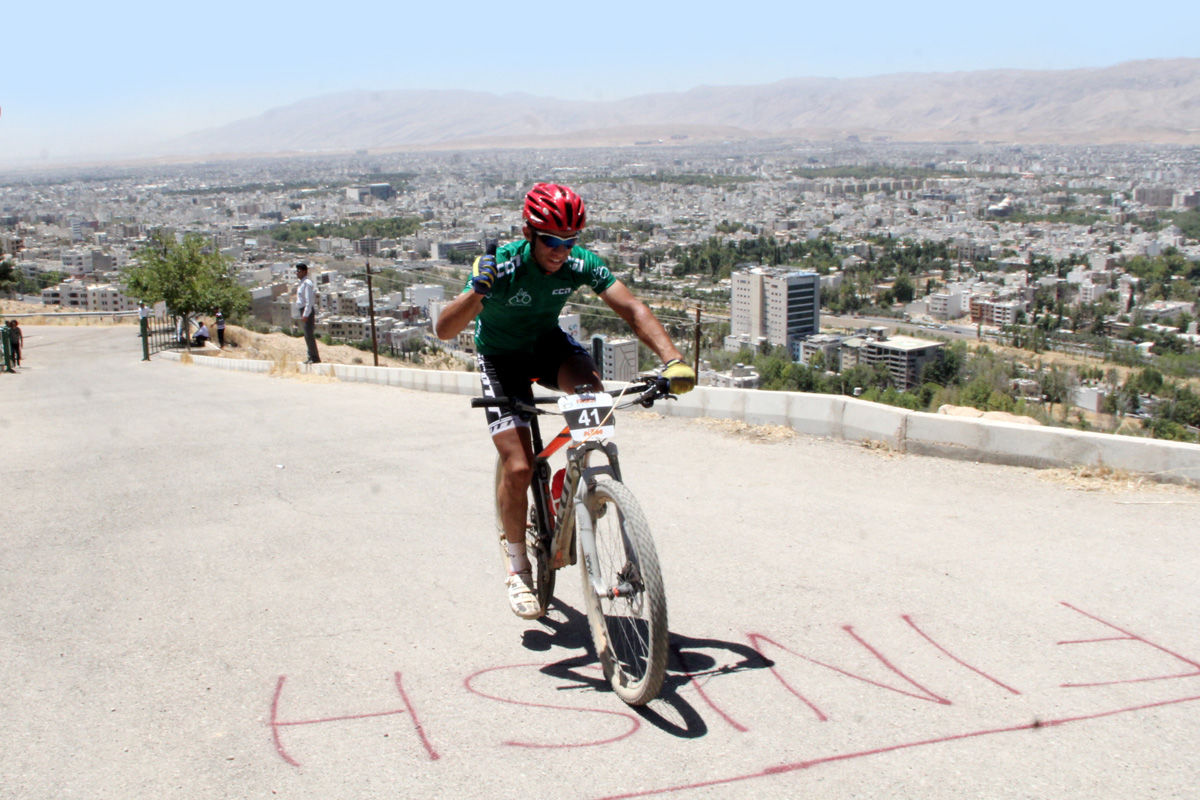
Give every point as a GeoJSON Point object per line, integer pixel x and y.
{"type": "Point", "coordinates": [84, 78]}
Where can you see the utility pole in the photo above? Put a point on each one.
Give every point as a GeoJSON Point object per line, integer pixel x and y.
{"type": "Point", "coordinates": [696, 345]}
{"type": "Point", "coordinates": [371, 306]}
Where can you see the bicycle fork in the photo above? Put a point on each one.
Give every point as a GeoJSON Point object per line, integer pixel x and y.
{"type": "Point", "coordinates": [581, 477]}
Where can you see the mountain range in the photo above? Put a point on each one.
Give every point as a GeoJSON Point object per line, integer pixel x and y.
{"type": "Point", "coordinates": [1155, 101]}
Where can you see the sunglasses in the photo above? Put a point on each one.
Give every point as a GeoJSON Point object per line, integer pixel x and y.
{"type": "Point", "coordinates": [555, 241]}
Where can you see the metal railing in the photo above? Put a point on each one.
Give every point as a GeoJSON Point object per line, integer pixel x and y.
{"type": "Point", "coordinates": [162, 333]}
{"type": "Point", "coordinates": [6, 345]}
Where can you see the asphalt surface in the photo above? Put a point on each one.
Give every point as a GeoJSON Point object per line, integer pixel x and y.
{"type": "Point", "coordinates": [220, 584]}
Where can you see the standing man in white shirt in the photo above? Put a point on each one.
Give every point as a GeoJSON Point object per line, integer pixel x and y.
{"type": "Point", "coordinates": [306, 302]}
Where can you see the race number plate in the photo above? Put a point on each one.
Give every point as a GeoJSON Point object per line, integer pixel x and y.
{"type": "Point", "coordinates": [589, 416]}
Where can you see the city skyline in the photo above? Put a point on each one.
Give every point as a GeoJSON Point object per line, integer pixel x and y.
{"type": "Point", "coordinates": [105, 81]}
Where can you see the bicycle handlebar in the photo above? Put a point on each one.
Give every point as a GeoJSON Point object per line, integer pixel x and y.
{"type": "Point", "coordinates": [503, 402]}
{"type": "Point", "coordinates": [646, 391]}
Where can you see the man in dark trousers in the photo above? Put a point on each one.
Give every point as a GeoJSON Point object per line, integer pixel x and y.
{"type": "Point", "coordinates": [306, 304]}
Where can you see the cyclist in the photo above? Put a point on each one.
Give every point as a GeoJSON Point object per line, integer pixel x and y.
{"type": "Point", "coordinates": [515, 299]}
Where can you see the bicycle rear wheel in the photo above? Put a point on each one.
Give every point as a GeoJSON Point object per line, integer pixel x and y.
{"type": "Point", "coordinates": [628, 617]}
{"type": "Point", "coordinates": [539, 556]}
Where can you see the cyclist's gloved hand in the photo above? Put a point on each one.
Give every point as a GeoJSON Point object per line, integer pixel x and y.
{"type": "Point", "coordinates": [483, 275]}
{"type": "Point", "coordinates": [682, 378]}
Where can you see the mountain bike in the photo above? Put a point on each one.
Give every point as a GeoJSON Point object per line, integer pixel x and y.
{"type": "Point", "coordinates": [583, 513]}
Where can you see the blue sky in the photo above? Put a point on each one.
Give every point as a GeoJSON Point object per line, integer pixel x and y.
{"type": "Point", "coordinates": [88, 78]}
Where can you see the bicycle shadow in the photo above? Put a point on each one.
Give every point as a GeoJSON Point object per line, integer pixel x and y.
{"type": "Point", "coordinates": [689, 658]}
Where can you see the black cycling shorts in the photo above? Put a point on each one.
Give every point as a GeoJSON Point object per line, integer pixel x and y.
{"type": "Point", "coordinates": [513, 374]}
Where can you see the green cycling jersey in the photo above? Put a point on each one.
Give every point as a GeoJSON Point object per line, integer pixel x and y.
{"type": "Point", "coordinates": [525, 302]}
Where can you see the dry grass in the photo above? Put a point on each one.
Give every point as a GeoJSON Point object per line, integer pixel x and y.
{"type": "Point", "coordinates": [287, 352]}
{"type": "Point", "coordinates": [44, 317]}
{"type": "Point", "coordinates": [284, 366]}
{"type": "Point", "coordinates": [763, 434]}
{"type": "Point", "coordinates": [1106, 479]}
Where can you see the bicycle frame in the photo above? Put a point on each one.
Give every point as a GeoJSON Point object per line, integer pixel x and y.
{"type": "Point", "coordinates": [555, 521]}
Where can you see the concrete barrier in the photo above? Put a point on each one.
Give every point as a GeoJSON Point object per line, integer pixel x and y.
{"type": "Point", "coordinates": [838, 417]}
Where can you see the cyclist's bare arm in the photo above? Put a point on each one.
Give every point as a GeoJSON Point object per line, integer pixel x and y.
{"type": "Point", "coordinates": [458, 314]}
{"type": "Point", "coordinates": [641, 319]}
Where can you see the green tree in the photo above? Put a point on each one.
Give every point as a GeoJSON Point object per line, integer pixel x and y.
{"type": "Point", "coordinates": [191, 276]}
{"type": "Point", "coordinates": [946, 370]}
{"type": "Point", "coordinates": [977, 393]}
{"type": "Point", "coordinates": [1055, 385]}
{"type": "Point", "coordinates": [1147, 381]}
{"type": "Point", "coordinates": [7, 280]}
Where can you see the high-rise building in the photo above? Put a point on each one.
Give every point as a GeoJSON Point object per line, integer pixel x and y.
{"type": "Point", "coordinates": [616, 358]}
{"type": "Point", "coordinates": [381, 191]}
{"type": "Point", "coordinates": [779, 305]}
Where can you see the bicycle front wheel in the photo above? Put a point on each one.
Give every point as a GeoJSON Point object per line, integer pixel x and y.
{"type": "Point", "coordinates": [624, 595]}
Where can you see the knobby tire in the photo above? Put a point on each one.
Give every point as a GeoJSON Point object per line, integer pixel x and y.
{"type": "Point", "coordinates": [629, 632]}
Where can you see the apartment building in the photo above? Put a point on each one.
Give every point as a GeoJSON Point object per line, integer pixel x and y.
{"type": "Point", "coordinates": [780, 305]}
{"type": "Point", "coordinates": [1167, 309]}
{"type": "Point", "coordinates": [422, 294]}
{"type": "Point", "coordinates": [827, 346]}
{"type": "Point", "coordinates": [903, 356]}
{"type": "Point", "coordinates": [106, 297]}
{"type": "Point", "coordinates": [68, 294]}
{"type": "Point", "coordinates": [740, 377]}
{"type": "Point", "coordinates": [442, 250]}
{"type": "Point", "coordinates": [1154, 195]}
{"type": "Point", "coordinates": [1091, 292]}
{"type": "Point", "coordinates": [342, 301]}
{"type": "Point", "coordinates": [988, 311]}
{"type": "Point", "coordinates": [572, 324]}
{"type": "Point", "coordinates": [374, 191]}
{"type": "Point", "coordinates": [616, 358]}
{"type": "Point", "coordinates": [354, 329]}
{"type": "Point", "coordinates": [950, 303]}
{"type": "Point", "coordinates": [78, 261]}
{"type": "Point", "coordinates": [11, 244]}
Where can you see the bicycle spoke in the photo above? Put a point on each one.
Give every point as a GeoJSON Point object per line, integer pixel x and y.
{"type": "Point", "coordinates": [629, 604]}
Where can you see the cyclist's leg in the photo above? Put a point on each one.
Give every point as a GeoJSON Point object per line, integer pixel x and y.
{"type": "Point", "coordinates": [579, 370]}
{"type": "Point", "coordinates": [507, 376]}
{"type": "Point", "coordinates": [513, 446]}
{"type": "Point", "coordinates": [564, 363]}
{"type": "Point", "coordinates": [516, 459]}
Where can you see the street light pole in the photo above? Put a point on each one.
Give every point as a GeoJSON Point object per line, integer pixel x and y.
{"type": "Point", "coordinates": [371, 307]}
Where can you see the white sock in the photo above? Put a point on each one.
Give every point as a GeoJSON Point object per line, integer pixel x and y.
{"type": "Point", "coordinates": [518, 560]}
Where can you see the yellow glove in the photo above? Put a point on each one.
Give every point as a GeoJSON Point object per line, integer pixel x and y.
{"type": "Point", "coordinates": [682, 377]}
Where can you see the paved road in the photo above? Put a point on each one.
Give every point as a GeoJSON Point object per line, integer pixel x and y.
{"type": "Point", "coordinates": [216, 584]}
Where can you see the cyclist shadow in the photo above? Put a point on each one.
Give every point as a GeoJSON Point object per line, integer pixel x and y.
{"type": "Point", "coordinates": [688, 658]}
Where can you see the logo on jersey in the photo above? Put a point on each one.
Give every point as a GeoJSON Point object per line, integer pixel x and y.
{"type": "Point", "coordinates": [521, 298]}
{"type": "Point", "coordinates": [567, 290]}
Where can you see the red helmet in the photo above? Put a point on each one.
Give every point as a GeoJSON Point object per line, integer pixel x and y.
{"type": "Point", "coordinates": [550, 206]}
